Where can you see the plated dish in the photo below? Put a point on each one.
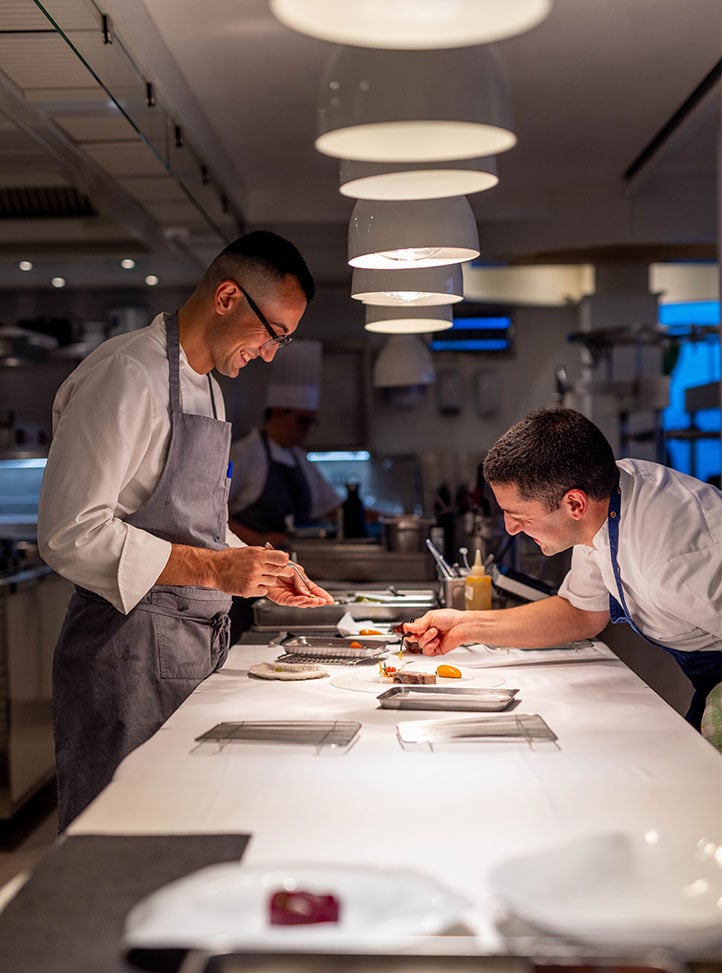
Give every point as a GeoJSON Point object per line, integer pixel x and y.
{"type": "Point", "coordinates": [368, 680]}
{"type": "Point", "coordinates": [225, 907]}
{"type": "Point", "coordinates": [287, 671]}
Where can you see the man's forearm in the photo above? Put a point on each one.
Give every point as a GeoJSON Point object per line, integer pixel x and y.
{"type": "Point", "coordinates": [245, 571]}
{"type": "Point", "coordinates": [190, 566]}
{"type": "Point", "coordinates": [539, 624]}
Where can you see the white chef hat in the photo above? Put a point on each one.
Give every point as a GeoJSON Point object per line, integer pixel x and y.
{"type": "Point", "coordinates": [295, 377]}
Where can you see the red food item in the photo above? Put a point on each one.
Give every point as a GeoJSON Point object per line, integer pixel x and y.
{"type": "Point", "coordinates": [302, 908]}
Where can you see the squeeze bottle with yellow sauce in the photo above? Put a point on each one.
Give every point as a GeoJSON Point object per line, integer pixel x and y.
{"type": "Point", "coordinates": [477, 587]}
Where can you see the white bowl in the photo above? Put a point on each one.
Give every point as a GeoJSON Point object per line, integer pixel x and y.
{"type": "Point", "coordinates": [649, 889]}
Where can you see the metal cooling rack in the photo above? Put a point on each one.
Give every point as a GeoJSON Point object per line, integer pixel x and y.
{"type": "Point", "coordinates": [331, 658]}
{"type": "Point", "coordinates": [317, 734]}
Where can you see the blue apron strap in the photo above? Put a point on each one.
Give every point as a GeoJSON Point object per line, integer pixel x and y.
{"type": "Point", "coordinates": [618, 611]}
{"type": "Point", "coordinates": [703, 669]}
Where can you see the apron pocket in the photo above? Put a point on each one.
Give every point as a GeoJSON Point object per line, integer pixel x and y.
{"type": "Point", "coordinates": [184, 647]}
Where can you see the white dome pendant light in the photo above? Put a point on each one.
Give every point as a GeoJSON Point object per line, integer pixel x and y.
{"type": "Point", "coordinates": [410, 289]}
{"type": "Point", "coordinates": [408, 320]}
{"type": "Point", "coordinates": [413, 180]}
{"type": "Point", "coordinates": [412, 233]}
{"type": "Point", "coordinates": [413, 106]}
{"type": "Point", "coordinates": [411, 23]}
{"type": "Point", "coordinates": [403, 360]}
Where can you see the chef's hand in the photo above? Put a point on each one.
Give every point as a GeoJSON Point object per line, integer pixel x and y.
{"type": "Point", "coordinates": [289, 590]}
{"type": "Point", "coordinates": [249, 572]}
{"type": "Point", "coordinates": [441, 631]}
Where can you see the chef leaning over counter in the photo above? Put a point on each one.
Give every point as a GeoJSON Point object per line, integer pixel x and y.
{"type": "Point", "coordinates": [133, 511]}
{"type": "Point", "coordinates": [647, 550]}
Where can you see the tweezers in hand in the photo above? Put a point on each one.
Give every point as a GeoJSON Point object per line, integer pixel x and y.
{"type": "Point", "coordinates": [291, 564]}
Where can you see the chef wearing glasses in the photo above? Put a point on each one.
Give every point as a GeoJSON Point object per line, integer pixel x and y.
{"type": "Point", "coordinates": [133, 511]}
{"type": "Point", "coordinates": [274, 487]}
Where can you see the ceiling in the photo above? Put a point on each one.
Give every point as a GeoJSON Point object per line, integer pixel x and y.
{"type": "Point", "coordinates": [164, 132]}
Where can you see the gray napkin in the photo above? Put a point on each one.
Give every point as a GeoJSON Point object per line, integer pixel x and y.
{"type": "Point", "coordinates": [69, 916]}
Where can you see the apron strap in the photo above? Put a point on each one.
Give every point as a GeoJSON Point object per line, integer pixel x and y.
{"type": "Point", "coordinates": [171, 331]}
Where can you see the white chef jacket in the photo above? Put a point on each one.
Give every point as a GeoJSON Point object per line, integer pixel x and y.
{"type": "Point", "coordinates": [250, 469]}
{"type": "Point", "coordinates": [670, 558]}
{"type": "Point", "coordinates": [111, 430]}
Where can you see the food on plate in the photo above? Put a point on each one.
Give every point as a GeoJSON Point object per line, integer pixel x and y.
{"type": "Point", "coordinates": [370, 631]}
{"type": "Point", "coordinates": [415, 678]}
{"type": "Point", "coordinates": [448, 672]}
{"type": "Point", "coordinates": [355, 645]}
{"type": "Point", "coordinates": [386, 672]}
{"type": "Point", "coordinates": [302, 908]}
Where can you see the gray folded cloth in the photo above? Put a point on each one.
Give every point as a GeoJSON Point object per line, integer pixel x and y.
{"type": "Point", "coordinates": [69, 916]}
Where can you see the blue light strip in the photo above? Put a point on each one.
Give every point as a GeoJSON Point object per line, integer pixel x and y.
{"type": "Point", "coordinates": [481, 324]}
{"type": "Point", "coordinates": [340, 456]}
{"type": "Point", "coordinates": [471, 344]}
{"type": "Point", "coordinates": [23, 464]}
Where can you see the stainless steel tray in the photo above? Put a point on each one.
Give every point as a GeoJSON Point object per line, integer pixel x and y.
{"type": "Point", "coordinates": [399, 607]}
{"type": "Point", "coordinates": [332, 650]}
{"type": "Point", "coordinates": [527, 728]}
{"type": "Point", "coordinates": [443, 698]}
{"type": "Point", "coordinates": [318, 734]}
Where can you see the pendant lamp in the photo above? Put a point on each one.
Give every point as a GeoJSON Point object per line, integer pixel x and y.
{"type": "Point", "coordinates": [411, 23]}
{"type": "Point", "coordinates": [413, 180]}
{"type": "Point", "coordinates": [410, 289]}
{"type": "Point", "coordinates": [413, 106]}
{"type": "Point", "coordinates": [403, 360]}
{"type": "Point", "coordinates": [408, 320]}
{"type": "Point", "coordinates": [412, 233]}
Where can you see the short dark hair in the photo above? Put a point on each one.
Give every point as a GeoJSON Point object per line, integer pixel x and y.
{"type": "Point", "coordinates": [551, 451]}
{"type": "Point", "coordinates": [265, 252]}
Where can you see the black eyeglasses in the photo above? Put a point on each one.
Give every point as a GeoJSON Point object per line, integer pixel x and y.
{"type": "Point", "coordinates": [281, 340]}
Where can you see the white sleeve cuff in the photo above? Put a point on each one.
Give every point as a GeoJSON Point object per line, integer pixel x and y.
{"type": "Point", "coordinates": [142, 560]}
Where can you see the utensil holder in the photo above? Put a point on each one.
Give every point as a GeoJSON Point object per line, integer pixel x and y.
{"type": "Point", "coordinates": [453, 593]}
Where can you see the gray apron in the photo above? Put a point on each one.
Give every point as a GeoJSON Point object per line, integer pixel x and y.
{"type": "Point", "coordinates": [117, 678]}
{"type": "Point", "coordinates": [285, 491]}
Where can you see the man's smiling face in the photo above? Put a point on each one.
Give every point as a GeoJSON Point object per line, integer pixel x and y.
{"type": "Point", "coordinates": [554, 531]}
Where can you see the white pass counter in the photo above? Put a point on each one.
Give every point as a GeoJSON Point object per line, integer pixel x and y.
{"type": "Point", "coordinates": [625, 762]}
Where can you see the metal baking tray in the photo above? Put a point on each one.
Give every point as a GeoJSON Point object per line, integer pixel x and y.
{"type": "Point", "coordinates": [318, 734]}
{"type": "Point", "coordinates": [390, 608]}
{"type": "Point", "coordinates": [527, 728]}
{"type": "Point", "coordinates": [441, 697]}
{"type": "Point", "coordinates": [331, 649]}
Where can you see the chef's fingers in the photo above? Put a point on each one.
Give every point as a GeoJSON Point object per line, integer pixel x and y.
{"type": "Point", "coordinates": [318, 592]}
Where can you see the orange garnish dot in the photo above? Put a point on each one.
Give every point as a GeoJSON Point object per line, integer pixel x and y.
{"type": "Point", "coordinates": [448, 672]}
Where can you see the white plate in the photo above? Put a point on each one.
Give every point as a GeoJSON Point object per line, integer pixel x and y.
{"type": "Point", "coordinates": [225, 907]}
{"type": "Point", "coordinates": [620, 890]}
{"type": "Point", "coordinates": [369, 680]}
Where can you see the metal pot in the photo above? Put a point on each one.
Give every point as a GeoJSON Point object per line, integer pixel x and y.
{"type": "Point", "coordinates": [406, 534]}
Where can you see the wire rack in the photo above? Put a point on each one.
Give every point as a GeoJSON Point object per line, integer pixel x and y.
{"type": "Point", "coordinates": [317, 734]}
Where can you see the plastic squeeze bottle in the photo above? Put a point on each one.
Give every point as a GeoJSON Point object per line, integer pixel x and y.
{"type": "Point", "coordinates": [477, 587]}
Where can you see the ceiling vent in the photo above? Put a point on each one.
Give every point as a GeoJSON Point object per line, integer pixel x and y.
{"type": "Point", "coordinates": [44, 203]}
